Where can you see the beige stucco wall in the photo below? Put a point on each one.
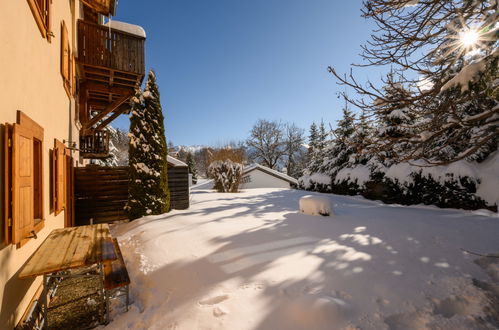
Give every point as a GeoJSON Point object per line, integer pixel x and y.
{"type": "Point", "coordinates": [30, 81]}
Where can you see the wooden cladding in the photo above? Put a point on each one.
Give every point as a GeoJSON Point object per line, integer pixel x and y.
{"type": "Point", "coordinates": [101, 194]}
{"type": "Point", "coordinates": [100, 46]}
{"type": "Point", "coordinates": [23, 179]}
{"type": "Point", "coordinates": [42, 14]}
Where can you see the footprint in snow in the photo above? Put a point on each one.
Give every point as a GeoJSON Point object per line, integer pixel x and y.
{"type": "Point", "coordinates": [213, 300]}
{"type": "Point", "coordinates": [219, 312]}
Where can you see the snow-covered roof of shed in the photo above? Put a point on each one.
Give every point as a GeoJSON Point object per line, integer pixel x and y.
{"type": "Point", "coordinates": [270, 171]}
{"type": "Point", "coordinates": [127, 27]}
{"type": "Point", "coordinates": [175, 162]}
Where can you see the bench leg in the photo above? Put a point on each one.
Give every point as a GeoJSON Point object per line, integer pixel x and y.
{"type": "Point", "coordinates": [104, 293]}
{"type": "Point", "coordinates": [44, 299]}
{"type": "Point", "coordinates": [127, 296]}
{"type": "Point", "coordinates": [107, 305]}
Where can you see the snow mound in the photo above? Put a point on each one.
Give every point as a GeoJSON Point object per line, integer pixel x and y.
{"type": "Point", "coordinates": [316, 205]}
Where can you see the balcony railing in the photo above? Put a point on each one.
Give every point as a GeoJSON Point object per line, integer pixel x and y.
{"type": "Point", "coordinates": [95, 145]}
{"type": "Point", "coordinates": [100, 46]}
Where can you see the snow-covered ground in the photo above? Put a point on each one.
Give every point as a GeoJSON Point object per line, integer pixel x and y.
{"type": "Point", "coordinates": [252, 261]}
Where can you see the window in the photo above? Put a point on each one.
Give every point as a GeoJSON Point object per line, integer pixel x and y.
{"type": "Point", "coordinates": [246, 179]}
{"type": "Point", "coordinates": [41, 12]}
{"type": "Point", "coordinates": [23, 179]}
{"type": "Point", "coordinates": [66, 63]}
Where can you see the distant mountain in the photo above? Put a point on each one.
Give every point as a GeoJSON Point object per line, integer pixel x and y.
{"type": "Point", "coordinates": [192, 149]}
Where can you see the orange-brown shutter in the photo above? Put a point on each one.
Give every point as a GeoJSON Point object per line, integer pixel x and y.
{"type": "Point", "coordinates": [73, 75]}
{"type": "Point", "coordinates": [60, 176]}
{"type": "Point", "coordinates": [7, 209]}
{"type": "Point", "coordinates": [48, 20]}
{"type": "Point", "coordinates": [53, 176]}
{"type": "Point", "coordinates": [22, 182]}
{"type": "Point", "coordinates": [65, 53]}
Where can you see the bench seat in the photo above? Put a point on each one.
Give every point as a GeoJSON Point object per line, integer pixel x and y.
{"type": "Point", "coordinates": [115, 272]}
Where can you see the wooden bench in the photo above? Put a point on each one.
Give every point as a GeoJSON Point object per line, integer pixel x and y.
{"type": "Point", "coordinates": [116, 276]}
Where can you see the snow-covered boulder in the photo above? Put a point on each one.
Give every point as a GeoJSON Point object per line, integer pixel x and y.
{"type": "Point", "coordinates": [316, 205]}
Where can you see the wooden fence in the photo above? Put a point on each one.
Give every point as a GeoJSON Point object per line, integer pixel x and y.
{"type": "Point", "coordinates": [178, 183]}
{"type": "Point", "coordinates": [101, 192]}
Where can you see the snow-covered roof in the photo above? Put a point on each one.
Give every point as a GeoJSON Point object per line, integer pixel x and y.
{"type": "Point", "coordinates": [270, 171]}
{"type": "Point", "coordinates": [175, 162]}
{"type": "Point", "coordinates": [127, 27]}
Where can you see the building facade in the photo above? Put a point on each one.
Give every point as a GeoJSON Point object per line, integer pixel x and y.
{"type": "Point", "coordinates": [259, 176]}
{"type": "Point", "coordinates": [64, 78]}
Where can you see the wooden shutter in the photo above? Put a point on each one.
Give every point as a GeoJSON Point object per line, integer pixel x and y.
{"type": "Point", "coordinates": [53, 176]}
{"type": "Point", "coordinates": [7, 238]}
{"type": "Point", "coordinates": [65, 54]}
{"type": "Point", "coordinates": [60, 176]}
{"type": "Point", "coordinates": [48, 19]}
{"type": "Point", "coordinates": [22, 182]}
{"type": "Point", "coordinates": [41, 10]}
{"type": "Point", "coordinates": [73, 75]}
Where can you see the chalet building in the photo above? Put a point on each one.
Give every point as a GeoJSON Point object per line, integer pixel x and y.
{"type": "Point", "coordinates": [64, 77]}
{"type": "Point", "coordinates": [259, 176]}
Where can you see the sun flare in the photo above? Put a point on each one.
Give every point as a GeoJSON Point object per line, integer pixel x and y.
{"type": "Point", "coordinates": [469, 38]}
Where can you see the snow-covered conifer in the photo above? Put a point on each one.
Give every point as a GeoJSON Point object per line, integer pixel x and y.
{"type": "Point", "coordinates": [148, 181]}
{"type": "Point", "coordinates": [395, 123]}
{"type": "Point", "coordinates": [361, 140]}
{"type": "Point", "coordinates": [312, 138]}
{"type": "Point", "coordinates": [450, 68]}
{"type": "Point", "coordinates": [191, 164]}
{"type": "Point", "coordinates": [337, 153]}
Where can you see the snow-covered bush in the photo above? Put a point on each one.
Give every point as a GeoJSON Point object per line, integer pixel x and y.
{"type": "Point", "coordinates": [454, 185]}
{"type": "Point", "coordinates": [226, 175]}
{"type": "Point", "coordinates": [316, 182]}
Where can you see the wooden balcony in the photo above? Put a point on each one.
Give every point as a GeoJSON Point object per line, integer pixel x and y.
{"type": "Point", "coordinates": [95, 145]}
{"type": "Point", "coordinates": [110, 68]}
{"type": "Point", "coordinates": [110, 56]}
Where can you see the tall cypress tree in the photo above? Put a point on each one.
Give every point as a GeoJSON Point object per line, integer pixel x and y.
{"type": "Point", "coordinates": [148, 179]}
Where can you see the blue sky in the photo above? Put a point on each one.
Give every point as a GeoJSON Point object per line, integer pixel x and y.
{"type": "Point", "coordinates": [223, 64]}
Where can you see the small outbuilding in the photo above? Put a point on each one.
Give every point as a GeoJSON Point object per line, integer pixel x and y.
{"type": "Point", "coordinates": [259, 176]}
{"type": "Point", "coordinates": [178, 183]}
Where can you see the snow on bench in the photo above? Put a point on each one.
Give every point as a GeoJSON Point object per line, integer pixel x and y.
{"type": "Point", "coordinates": [316, 205]}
